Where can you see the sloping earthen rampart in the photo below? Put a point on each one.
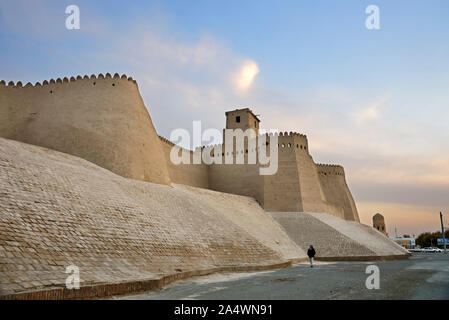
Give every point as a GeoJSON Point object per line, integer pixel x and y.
{"type": "Point", "coordinates": [58, 210]}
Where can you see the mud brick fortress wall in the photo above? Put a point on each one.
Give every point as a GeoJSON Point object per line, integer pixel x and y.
{"type": "Point", "coordinates": [104, 120]}
{"type": "Point", "coordinates": [101, 119]}
{"type": "Point", "coordinates": [85, 180]}
{"type": "Point", "coordinates": [299, 185]}
{"type": "Point", "coordinates": [195, 175]}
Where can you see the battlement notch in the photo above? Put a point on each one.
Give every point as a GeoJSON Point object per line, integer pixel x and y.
{"type": "Point", "coordinates": [330, 169]}
{"type": "Point", "coordinates": [66, 80]}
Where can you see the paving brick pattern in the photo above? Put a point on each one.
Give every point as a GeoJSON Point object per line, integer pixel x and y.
{"type": "Point", "coordinates": [58, 210]}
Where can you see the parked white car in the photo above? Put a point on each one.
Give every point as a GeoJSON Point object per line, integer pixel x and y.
{"type": "Point", "coordinates": [433, 250]}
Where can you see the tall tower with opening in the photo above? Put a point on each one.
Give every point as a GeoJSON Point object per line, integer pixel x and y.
{"type": "Point", "coordinates": [379, 223]}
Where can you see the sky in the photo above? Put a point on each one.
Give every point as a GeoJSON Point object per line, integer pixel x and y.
{"type": "Point", "coordinates": [374, 101]}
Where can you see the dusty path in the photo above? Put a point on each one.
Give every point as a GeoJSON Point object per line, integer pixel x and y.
{"type": "Point", "coordinates": [424, 276]}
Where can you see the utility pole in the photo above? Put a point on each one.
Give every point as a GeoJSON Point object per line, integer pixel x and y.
{"type": "Point", "coordinates": [442, 232]}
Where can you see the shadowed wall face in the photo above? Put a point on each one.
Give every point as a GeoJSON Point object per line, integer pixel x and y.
{"type": "Point", "coordinates": [102, 120]}
{"type": "Point", "coordinates": [336, 192]}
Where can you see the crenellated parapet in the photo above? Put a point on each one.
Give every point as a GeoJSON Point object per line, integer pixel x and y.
{"type": "Point", "coordinates": [286, 141]}
{"type": "Point", "coordinates": [171, 144]}
{"type": "Point", "coordinates": [292, 141]}
{"type": "Point", "coordinates": [330, 169]}
{"type": "Point", "coordinates": [286, 134]}
{"type": "Point", "coordinates": [66, 80]}
{"type": "Point", "coordinates": [165, 140]}
{"type": "Point", "coordinates": [101, 118]}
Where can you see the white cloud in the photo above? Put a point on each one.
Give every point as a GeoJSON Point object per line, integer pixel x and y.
{"type": "Point", "coordinates": [370, 112]}
{"type": "Point", "coordinates": [183, 80]}
{"type": "Point", "coordinates": [246, 75]}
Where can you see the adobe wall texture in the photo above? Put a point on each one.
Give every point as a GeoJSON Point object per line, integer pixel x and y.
{"type": "Point", "coordinates": [336, 192]}
{"type": "Point", "coordinates": [101, 119]}
{"type": "Point", "coordinates": [243, 179]}
{"type": "Point", "coordinates": [59, 210]}
{"type": "Point", "coordinates": [195, 175]}
{"type": "Point", "coordinates": [282, 191]}
{"type": "Point", "coordinates": [298, 185]}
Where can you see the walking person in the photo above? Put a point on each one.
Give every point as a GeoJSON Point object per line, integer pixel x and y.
{"type": "Point", "coordinates": [311, 253]}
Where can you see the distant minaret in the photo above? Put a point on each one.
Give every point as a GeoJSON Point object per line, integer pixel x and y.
{"type": "Point", "coordinates": [379, 223]}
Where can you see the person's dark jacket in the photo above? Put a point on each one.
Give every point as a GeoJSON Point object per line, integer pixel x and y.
{"type": "Point", "coordinates": [311, 252]}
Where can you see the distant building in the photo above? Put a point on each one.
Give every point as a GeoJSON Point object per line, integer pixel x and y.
{"type": "Point", "coordinates": [379, 223]}
{"type": "Point", "coordinates": [408, 243]}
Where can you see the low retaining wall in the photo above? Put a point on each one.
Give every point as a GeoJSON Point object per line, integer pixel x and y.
{"type": "Point", "coordinates": [106, 290]}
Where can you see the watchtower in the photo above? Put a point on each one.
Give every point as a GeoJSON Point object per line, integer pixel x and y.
{"type": "Point", "coordinates": [379, 223]}
{"type": "Point", "coordinates": [242, 119]}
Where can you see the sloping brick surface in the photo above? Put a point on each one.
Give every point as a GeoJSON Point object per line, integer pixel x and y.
{"type": "Point", "coordinates": [335, 238]}
{"type": "Point", "coordinates": [58, 210]}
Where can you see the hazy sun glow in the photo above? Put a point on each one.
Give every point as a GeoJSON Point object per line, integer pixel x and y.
{"type": "Point", "coordinates": [246, 74]}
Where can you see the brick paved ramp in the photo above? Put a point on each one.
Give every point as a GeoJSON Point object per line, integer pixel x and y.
{"type": "Point", "coordinates": [337, 239]}
{"type": "Point", "coordinates": [58, 210]}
